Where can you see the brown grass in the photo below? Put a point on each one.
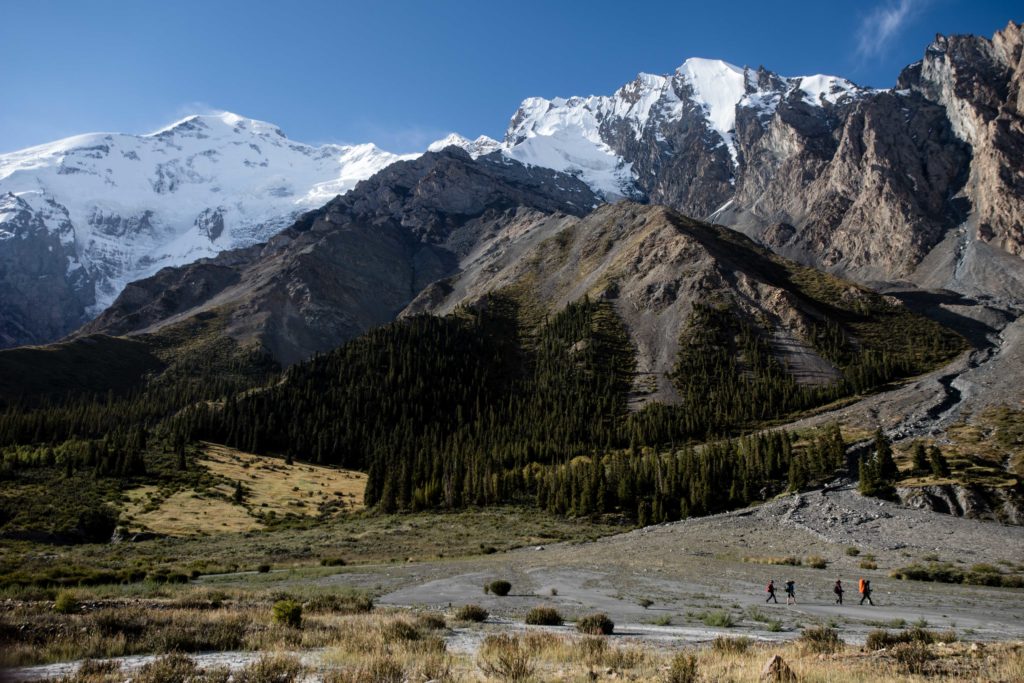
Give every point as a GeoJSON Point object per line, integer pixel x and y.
{"type": "Point", "coordinates": [272, 486]}
{"type": "Point", "coordinates": [399, 646]}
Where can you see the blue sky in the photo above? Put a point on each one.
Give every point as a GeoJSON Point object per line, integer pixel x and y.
{"type": "Point", "coordinates": [402, 74]}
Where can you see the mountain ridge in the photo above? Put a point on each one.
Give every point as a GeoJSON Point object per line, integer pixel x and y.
{"type": "Point", "coordinates": [122, 206]}
{"type": "Point", "coordinates": [919, 183]}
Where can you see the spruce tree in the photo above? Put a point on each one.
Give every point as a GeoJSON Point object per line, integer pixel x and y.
{"type": "Point", "coordinates": [939, 465]}
{"type": "Point", "coordinates": [920, 458]}
{"type": "Point", "coordinates": [887, 469]}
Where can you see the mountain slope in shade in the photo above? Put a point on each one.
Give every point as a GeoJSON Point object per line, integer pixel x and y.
{"type": "Point", "coordinates": [94, 212]}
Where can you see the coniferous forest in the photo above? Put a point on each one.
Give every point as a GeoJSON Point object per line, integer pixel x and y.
{"type": "Point", "coordinates": [479, 408]}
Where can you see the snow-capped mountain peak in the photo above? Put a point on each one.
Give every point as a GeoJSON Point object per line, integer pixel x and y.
{"type": "Point", "coordinates": [127, 205]}
{"type": "Point", "coordinates": [475, 148]}
{"type": "Point", "coordinates": [717, 87]}
{"type": "Point", "coordinates": [590, 136]}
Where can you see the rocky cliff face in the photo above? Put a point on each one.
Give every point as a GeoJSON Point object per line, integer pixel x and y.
{"type": "Point", "coordinates": [980, 84]}
{"type": "Point", "coordinates": [1004, 505]}
{"type": "Point", "coordinates": [922, 182]}
{"type": "Point", "coordinates": [353, 264]}
{"type": "Point", "coordinates": [44, 289]}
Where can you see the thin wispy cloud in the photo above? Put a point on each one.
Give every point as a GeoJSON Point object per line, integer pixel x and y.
{"type": "Point", "coordinates": [883, 24]}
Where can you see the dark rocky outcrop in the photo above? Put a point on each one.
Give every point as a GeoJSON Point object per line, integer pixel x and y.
{"type": "Point", "coordinates": [43, 292]}
{"type": "Point", "coordinates": [998, 504]}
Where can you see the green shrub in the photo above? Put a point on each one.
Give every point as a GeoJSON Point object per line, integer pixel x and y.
{"type": "Point", "coordinates": [941, 572]}
{"type": "Point", "coordinates": [471, 613]}
{"type": "Point", "coordinates": [263, 568]}
{"type": "Point", "coordinates": [65, 603]}
{"type": "Point", "coordinates": [683, 669]}
{"type": "Point", "coordinates": [852, 551]}
{"type": "Point", "coordinates": [645, 602]}
{"type": "Point", "coordinates": [500, 588]}
{"type": "Point", "coordinates": [596, 625]}
{"type": "Point", "coordinates": [287, 613]}
{"type": "Point", "coordinates": [718, 619]}
{"type": "Point", "coordinates": [332, 562]}
{"type": "Point", "coordinates": [821, 640]}
{"type": "Point", "coordinates": [544, 616]}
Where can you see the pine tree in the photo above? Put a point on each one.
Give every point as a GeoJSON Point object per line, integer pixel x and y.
{"type": "Point", "coordinates": [920, 458]}
{"type": "Point", "coordinates": [939, 465]}
{"type": "Point", "coordinates": [887, 469]}
{"type": "Point", "coordinates": [867, 476]}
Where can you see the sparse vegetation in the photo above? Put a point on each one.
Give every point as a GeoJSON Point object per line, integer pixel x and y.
{"type": "Point", "coordinates": [820, 640]}
{"type": "Point", "coordinates": [332, 562]}
{"type": "Point", "coordinates": [507, 658]}
{"type": "Point", "coordinates": [945, 572]}
{"type": "Point", "coordinates": [544, 616]}
{"type": "Point", "coordinates": [816, 562]}
{"type": "Point", "coordinates": [881, 639]}
{"type": "Point", "coordinates": [683, 669]}
{"type": "Point", "coordinates": [471, 613]}
{"type": "Point", "coordinates": [787, 560]}
{"type": "Point", "coordinates": [731, 646]}
{"type": "Point", "coordinates": [596, 625]}
{"type": "Point", "coordinates": [717, 619]}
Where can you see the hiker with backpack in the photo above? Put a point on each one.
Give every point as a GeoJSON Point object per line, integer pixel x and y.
{"type": "Point", "coordinates": [791, 592]}
{"type": "Point", "coordinates": [838, 590]}
{"type": "Point", "coordinates": [771, 592]}
{"type": "Point", "coordinates": [865, 592]}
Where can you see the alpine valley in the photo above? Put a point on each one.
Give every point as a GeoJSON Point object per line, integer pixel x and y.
{"type": "Point", "coordinates": [781, 316]}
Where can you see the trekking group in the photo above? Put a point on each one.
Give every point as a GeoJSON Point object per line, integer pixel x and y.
{"type": "Point", "coordinates": [863, 586]}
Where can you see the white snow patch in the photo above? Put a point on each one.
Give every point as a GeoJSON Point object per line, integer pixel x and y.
{"type": "Point", "coordinates": [718, 87]}
{"type": "Point", "coordinates": [818, 89]}
{"type": "Point", "coordinates": [482, 145]}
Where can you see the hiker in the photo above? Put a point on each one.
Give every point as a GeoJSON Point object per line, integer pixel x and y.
{"type": "Point", "coordinates": [771, 592]}
{"type": "Point", "coordinates": [791, 592]}
{"type": "Point", "coordinates": [865, 592]}
{"type": "Point", "coordinates": [838, 590]}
